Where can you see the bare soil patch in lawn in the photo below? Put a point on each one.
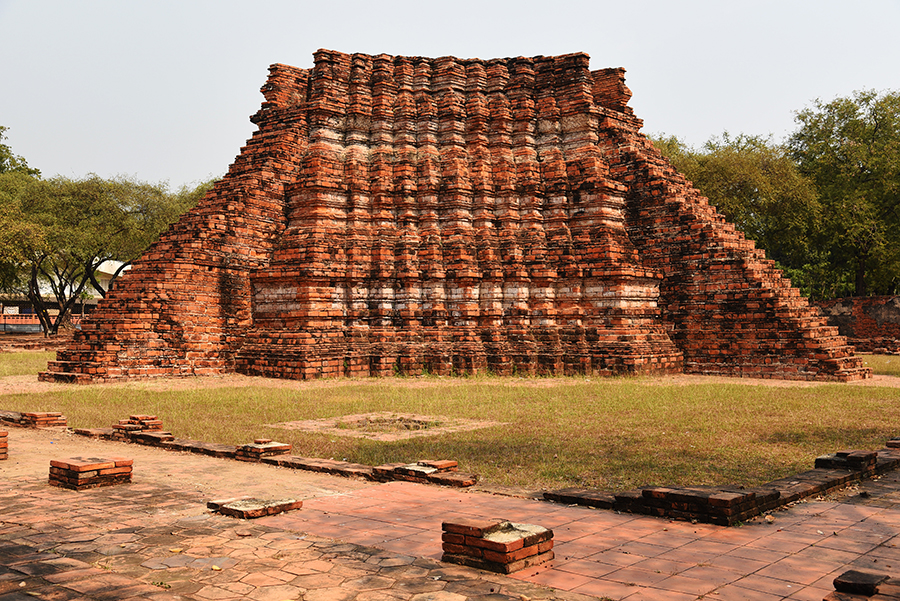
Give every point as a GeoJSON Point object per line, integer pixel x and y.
{"type": "Point", "coordinates": [386, 426]}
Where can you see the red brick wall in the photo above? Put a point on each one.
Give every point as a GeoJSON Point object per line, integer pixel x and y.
{"type": "Point", "coordinates": [405, 214]}
{"type": "Point", "coordinates": [871, 322]}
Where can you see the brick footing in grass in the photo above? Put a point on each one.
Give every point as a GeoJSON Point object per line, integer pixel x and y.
{"type": "Point", "coordinates": [261, 447]}
{"type": "Point", "coordinates": [728, 506]}
{"type": "Point", "coordinates": [247, 508]}
{"type": "Point", "coordinates": [4, 444]}
{"type": "Point", "coordinates": [855, 585]}
{"type": "Point", "coordinates": [496, 545]}
{"type": "Point", "coordinates": [40, 419]}
{"type": "Point", "coordinates": [437, 472]}
{"type": "Point", "coordinates": [81, 473]}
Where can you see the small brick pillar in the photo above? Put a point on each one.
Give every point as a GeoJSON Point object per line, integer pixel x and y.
{"type": "Point", "coordinates": [80, 473]}
{"type": "Point", "coordinates": [496, 545]}
{"type": "Point", "coordinates": [261, 447]}
{"type": "Point", "coordinates": [4, 444]}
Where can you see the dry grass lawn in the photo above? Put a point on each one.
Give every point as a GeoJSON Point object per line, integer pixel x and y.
{"type": "Point", "coordinates": [613, 433]}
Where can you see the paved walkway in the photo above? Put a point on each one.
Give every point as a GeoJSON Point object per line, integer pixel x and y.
{"type": "Point", "coordinates": [355, 540]}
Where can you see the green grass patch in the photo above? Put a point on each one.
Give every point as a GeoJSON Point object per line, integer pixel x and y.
{"type": "Point", "coordinates": [24, 363]}
{"type": "Point", "coordinates": [612, 434]}
{"type": "Point", "coordinates": [883, 365]}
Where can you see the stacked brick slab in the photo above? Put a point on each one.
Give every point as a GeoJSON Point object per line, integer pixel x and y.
{"type": "Point", "coordinates": [405, 215]}
{"type": "Point", "coordinates": [81, 473]}
{"type": "Point", "coordinates": [261, 448]}
{"type": "Point", "coordinates": [4, 444]}
{"type": "Point", "coordinates": [42, 419]}
{"type": "Point", "coordinates": [497, 546]}
{"type": "Point", "coordinates": [444, 471]}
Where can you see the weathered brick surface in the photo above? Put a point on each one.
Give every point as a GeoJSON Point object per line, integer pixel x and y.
{"type": "Point", "coordinates": [496, 545]}
{"type": "Point", "coordinates": [405, 214]}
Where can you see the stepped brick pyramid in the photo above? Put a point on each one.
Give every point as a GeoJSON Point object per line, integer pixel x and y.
{"type": "Point", "coordinates": [413, 215]}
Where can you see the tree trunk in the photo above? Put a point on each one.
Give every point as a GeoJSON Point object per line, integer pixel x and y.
{"type": "Point", "coordinates": [860, 286]}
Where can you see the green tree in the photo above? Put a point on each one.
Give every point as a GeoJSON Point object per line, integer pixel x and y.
{"type": "Point", "coordinates": [79, 224]}
{"type": "Point", "coordinates": [850, 147]}
{"type": "Point", "coordinates": [10, 162]}
{"type": "Point", "coordinates": [756, 185]}
{"type": "Point", "coordinates": [14, 175]}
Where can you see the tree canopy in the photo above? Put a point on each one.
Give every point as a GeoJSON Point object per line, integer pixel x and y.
{"type": "Point", "coordinates": [824, 204]}
{"type": "Point", "coordinates": [757, 186]}
{"type": "Point", "coordinates": [850, 148]}
{"type": "Point", "coordinates": [10, 162]}
{"type": "Point", "coordinates": [55, 233]}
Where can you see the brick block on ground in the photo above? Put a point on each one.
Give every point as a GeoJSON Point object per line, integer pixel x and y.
{"type": "Point", "coordinates": [855, 585]}
{"type": "Point", "coordinates": [104, 433]}
{"type": "Point", "coordinates": [246, 508]}
{"type": "Point", "coordinates": [858, 461]}
{"type": "Point", "coordinates": [496, 545]}
{"type": "Point", "coordinates": [260, 448]}
{"type": "Point", "coordinates": [444, 472]}
{"type": "Point", "coordinates": [44, 419]}
{"type": "Point", "coordinates": [80, 473]}
{"type": "Point", "coordinates": [4, 444]}
{"type": "Point", "coordinates": [137, 426]}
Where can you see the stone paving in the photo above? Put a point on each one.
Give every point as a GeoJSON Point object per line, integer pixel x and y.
{"type": "Point", "coordinates": [352, 540]}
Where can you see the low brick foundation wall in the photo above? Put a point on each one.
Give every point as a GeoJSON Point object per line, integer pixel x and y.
{"type": "Point", "coordinates": [147, 430]}
{"type": "Point", "coordinates": [728, 506]}
{"type": "Point", "coordinates": [4, 444]}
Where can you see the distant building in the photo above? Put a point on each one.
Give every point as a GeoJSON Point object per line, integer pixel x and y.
{"type": "Point", "coordinates": [17, 314]}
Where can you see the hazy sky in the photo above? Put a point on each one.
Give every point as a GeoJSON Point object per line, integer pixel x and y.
{"type": "Point", "coordinates": [162, 90]}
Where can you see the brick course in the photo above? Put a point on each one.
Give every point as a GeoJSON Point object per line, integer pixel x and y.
{"type": "Point", "coordinates": [405, 215]}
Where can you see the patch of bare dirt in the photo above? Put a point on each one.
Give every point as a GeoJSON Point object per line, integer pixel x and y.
{"type": "Point", "coordinates": [386, 426]}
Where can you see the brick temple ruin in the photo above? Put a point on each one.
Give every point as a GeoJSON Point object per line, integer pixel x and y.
{"type": "Point", "coordinates": [409, 215]}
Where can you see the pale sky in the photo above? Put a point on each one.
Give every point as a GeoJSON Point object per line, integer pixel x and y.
{"type": "Point", "coordinates": [162, 90]}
